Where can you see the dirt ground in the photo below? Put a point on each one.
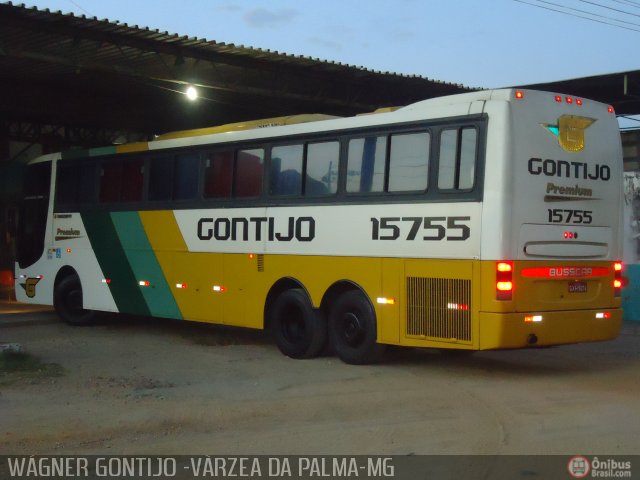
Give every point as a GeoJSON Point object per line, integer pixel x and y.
{"type": "Point", "coordinates": [136, 386]}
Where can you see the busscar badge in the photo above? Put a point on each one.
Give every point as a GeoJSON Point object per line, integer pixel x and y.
{"type": "Point", "coordinates": [569, 131]}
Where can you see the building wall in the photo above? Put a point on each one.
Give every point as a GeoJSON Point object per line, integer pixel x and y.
{"type": "Point", "coordinates": [631, 291]}
{"type": "Point", "coordinates": [631, 150]}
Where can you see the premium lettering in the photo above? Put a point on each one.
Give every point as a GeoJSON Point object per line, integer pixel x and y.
{"type": "Point", "coordinates": [575, 191]}
{"type": "Point", "coordinates": [68, 231]}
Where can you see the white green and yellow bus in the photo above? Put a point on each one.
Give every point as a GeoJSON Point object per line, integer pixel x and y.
{"type": "Point", "coordinates": [478, 221]}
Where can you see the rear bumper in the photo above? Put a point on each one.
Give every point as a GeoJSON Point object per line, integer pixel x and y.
{"type": "Point", "coordinates": [509, 330]}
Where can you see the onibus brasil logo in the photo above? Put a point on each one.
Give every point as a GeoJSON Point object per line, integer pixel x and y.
{"type": "Point", "coordinates": [579, 467]}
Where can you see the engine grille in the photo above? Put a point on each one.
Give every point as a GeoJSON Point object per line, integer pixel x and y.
{"type": "Point", "coordinates": [439, 308]}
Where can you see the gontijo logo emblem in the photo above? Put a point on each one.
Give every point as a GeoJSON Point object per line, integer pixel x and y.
{"type": "Point", "coordinates": [570, 131]}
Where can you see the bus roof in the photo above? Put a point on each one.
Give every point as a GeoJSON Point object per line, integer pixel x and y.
{"type": "Point", "coordinates": [248, 125]}
{"type": "Point", "coordinates": [298, 124]}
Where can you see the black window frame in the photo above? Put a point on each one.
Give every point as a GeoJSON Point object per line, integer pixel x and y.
{"type": "Point", "coordinates": [432, 194]}
{"type": "Point", "coordinates": [458, 154]}
{"type": "Point", "coordinates": [387, 163]}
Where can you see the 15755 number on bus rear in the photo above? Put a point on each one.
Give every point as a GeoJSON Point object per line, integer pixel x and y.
{"type": "Point", "coordinates": [420, 228]}
{"type": "Point", "coordinates": [560, 215]}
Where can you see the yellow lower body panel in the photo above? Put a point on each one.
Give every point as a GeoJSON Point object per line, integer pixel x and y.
{"type": "Point", "coordinates": [509, 330]}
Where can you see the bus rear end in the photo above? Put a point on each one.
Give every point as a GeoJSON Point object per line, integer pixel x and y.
{"type": "Point", "coordinates": [554, 277]}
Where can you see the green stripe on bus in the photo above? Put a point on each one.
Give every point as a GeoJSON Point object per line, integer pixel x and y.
{"type": "Point", "coordinates": [114, 264]}
{"type": "Point", "coordinates": [144, 264]}
{"type": "Point", "coordinates": [96, 152]}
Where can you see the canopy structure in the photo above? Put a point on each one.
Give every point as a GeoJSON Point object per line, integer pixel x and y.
{"type": "Point", "coordinates": [620, 90]}
{"type": "Point", "coordinates": [80, 81]}
{"type": "Point", "coordinates": [96, 77]}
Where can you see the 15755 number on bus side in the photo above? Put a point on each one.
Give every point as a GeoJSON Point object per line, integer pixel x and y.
{"type": "Point", "coordinates": [430, 228]}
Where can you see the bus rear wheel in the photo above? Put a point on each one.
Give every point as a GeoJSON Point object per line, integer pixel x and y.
{"type": "Point", "coordinates": [353, 329]}
{"type": "Point", "coordinates": [67, 300]}
{"type": "Point", "coordinates": [300, 331]}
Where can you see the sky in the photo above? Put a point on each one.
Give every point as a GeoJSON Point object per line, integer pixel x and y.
{"type": "Point", "coordinates": [481, 43]}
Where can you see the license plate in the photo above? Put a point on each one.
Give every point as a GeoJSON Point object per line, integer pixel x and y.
{"type": "Point", "coordinates": [578, 287]}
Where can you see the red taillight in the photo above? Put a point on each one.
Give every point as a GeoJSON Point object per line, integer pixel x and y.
{"type": "Point", "coordinates": [569, 99]}
{"type": "Point", "coordinates": [504, 280]}
{"type": "Point", "coordinates": [558, 99]}
{"type": "Point", "coordinates": [617, 279]}
{"type": "Point", "coordinates": [519, 95]}
{"type": "Point", "coordinates": [578, 101]}
{"type": "Point", "coordinates": [504, 266]}
{"type": "Point", "coordinates": [610, 109]}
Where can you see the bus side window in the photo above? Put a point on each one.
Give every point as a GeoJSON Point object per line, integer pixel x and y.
{"type": "Point", "coordinates": [185, 176]}
{"type": "Point", "coordinates": [457, 159]}
{"type": "Point", "coordinates": [161, 178]}
{"type": "Point", "coordinates": [87, 182]}
{"type": "Point", "coordinates": [76, 182]}
{"type": "Point", "coordinates": [322, 168]}
{"type": "Point", "coordinates": [286, 170]}
{"type": "Point", "coordinates": [120, 181]}
{"type": "Point", "coordinates": [132, 180]}
{"type": "Point", "coordinates": [409, 162]}
{"type": "Point", "coordinates": [249, 171]}
{"type": "Point", "coordinates": [110, 181]}
{"type": "Point", "coordinates": [365, 164]}
{"type": "Point", "coordinates": [468, 147]}
{"type": "Point", "coordinates": [218, 174]}
{"type": "Point", "coordinates": [67, 184]}
{"type": "Point", "coordinates": [447, 159]}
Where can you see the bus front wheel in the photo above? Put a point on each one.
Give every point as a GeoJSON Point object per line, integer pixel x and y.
{"type": "Point", "coordinates": [353, 329]}
{"type": "Point", "coordinates": [300, 331]}
{"type": "Point", "coordinates": [67, 300]}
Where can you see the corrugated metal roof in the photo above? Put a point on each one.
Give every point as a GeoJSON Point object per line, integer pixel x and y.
{"type": "Point", "coordinates": [88, 72]}
{"type": "Point", "coordinates": [174, 40]}
{"type": "Point", "coordinates": [80, 71]}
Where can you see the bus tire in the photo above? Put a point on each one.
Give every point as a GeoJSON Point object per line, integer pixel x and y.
{"type": "Point", "coordinates": [353, 329]}
{"type": "Point", "coordinates": [300, 330]}
{"type": "Point", "coordinates": [67, 300]}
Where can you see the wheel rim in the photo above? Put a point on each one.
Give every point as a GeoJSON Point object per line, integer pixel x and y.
{"type": "Point", "coordinates": [353, 332]}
